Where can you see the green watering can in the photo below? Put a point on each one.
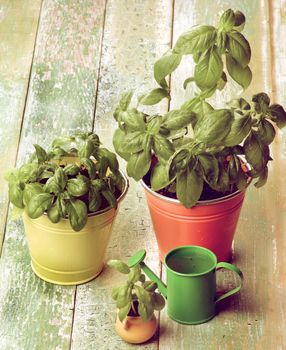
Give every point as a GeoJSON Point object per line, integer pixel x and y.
{"type": "Point", "coordinates": [191, 280]}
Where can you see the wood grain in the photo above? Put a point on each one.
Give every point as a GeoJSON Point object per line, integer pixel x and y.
{"type": "Point", "coordinates": [18, 24]}
{"type": "Point", "coordinates": [35, 314]}
{"type": "Point", "coordinates": [129, 51]}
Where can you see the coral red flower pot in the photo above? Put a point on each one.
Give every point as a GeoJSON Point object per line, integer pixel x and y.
{"type": "Point", "coordinates": [210, 224]}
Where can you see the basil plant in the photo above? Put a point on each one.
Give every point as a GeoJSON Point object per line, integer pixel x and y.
{"type": "Point", "coordinates": [47, 184]}
{"type": "Point", "coordinates": [197, 149]}
{"type": "Point", "coordinates": [137, 297]}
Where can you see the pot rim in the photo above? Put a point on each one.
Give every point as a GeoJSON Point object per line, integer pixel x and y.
{"type": "Point", "coordinates": [203, 202]}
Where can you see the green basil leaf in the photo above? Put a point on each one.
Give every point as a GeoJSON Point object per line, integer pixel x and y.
{"type": "Point", "coordinates": [227, 20]}
{"type": "Point", "coordinates": [189, 187]}
{"type": "Point", "coordinates": [223, 182]}
{"type": "Point", "coordinates": [71, 169]}
{"type": "Point", "coordinates": [56, 183]}
{"type": "Point", "coordinates": [77, 187]}
{"type": "Point", "coordinates": [239, 103]}
{"type": "Point", "coordinates": [210, 167]}
{"type": "Point", "coordinates": [111, 158]}
{"type": "Point", "coordinates": [242, 76]}
{"type": "Point", "coordinates": [135, 273]}
{"type": "Point", "coordinates": [16, 194]}
{"type": "Point", "coordinates": [77, 213]}
{"type": "Point", "coordinates": [123, 312]}
{"type": "Point", "coordinates": [31, 190]}
{"type": "Point", "coordinates": [154, 125]}
{"type": "Point", "coordinates": [240, 128]}
{"type": "Point", "coordinates": [222, 81]}
{"type": "Point", "coordinates": [139, 164]}
{"type": "Point", "coordinates": [60, 202]}
{"type": "Point", "coordinates": [178, 119]}
{"type": "Point", "coordinates": [214, 127]}
{"type": "Point", "coordinates": [165, 66]}
{"type": "Point", "coordinates": [124, 296]}
{"type": "Point", "coordinates": [94, 200]}
{"type": "Point", "coordinates": [261, 102]}
{"type": "Point", "coordinates": [160, 176]}
{"type": "Point", "coordinates": [125, 100]}
{"type": "Point", "coordinates": [29, 172]}
{"type": "Point", "coordinates": [118, 141]}
{"type": "Point", "coordinates": [39, 204]}
{"type": "Point", "coordinates": [63, 142]}
{"type": "Point", "coordinates": [239, 48]}
{"type": "Point", "coordinates": [86, 148]}
{"type": "Point", "coordinates": [54, 214]}
{"type": "Point", "coordinates": [134, 120]}
{"type": "Point", "coordinates": [187, 81]}
{"type": "Point", "coordinates": [262, 178]}
{"type": "Point", "coordinates": [158, 301]}
{"type": "Point", "coordinates": [198, 39]}
{"type": "Point", "coordinates": [109, 196]}
{"type": "Point", "coordinates": [256, 152]}
{"type": "Point", "coordinates": [154, 97]}
{"type": "Point", "coordinates": [119, 266]}
{"type": "Point", "coordinates": [278, 115]}
{"type": "Point", "coordinates": [133, 142]}
{"type": "Point", "coordinates": [145, 308]}
{"type": "Point", "coordinates": [163, 147]}
{"type": "Point", "coordinates": [209, 69]}
{"type": "Point", "coordinates": [41, 154]}
{"type": "Point", "coordinates": [266, 131]}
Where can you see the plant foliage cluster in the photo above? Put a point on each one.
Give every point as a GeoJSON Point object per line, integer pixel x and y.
{"type": "Point", "coordinates": [198, 144]}
{"type": "Point", "coordinates": [137, 296]}
{"type": "Point", "coordinates": [47, 184]}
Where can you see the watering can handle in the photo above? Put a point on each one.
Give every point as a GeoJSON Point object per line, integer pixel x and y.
{"type": "Point", "coordinates": [233, 268]}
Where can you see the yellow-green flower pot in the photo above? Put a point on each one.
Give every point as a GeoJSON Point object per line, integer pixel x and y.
{"type": "Point", "coordinates": [62, 256]}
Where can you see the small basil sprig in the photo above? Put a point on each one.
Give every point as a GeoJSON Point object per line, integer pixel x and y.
{"type": "Point", "coordinates": [137, 296]}
{"type": "Point", "coordinates": [47, 185]}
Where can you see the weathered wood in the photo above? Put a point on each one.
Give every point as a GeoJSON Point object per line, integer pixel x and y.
{"type": "Point", "coordinates": [35, 314]}
{"type": "Point", "coordinates": [258, 307]}
{"type": "Point", "coordinates": [130, 48]}
{"type": "Point", "coordinates": [18, 24]}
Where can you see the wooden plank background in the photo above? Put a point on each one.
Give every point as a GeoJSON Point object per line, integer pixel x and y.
{"type": "Point", "coordinates": [63, 66]}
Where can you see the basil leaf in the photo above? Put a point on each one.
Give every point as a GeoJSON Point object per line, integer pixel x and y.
{"type": "Point", "coordinates": [135, 273]}
{"type": "Point", "coordinates": [77, 187]}
{"type": "Point", "coordinates": [77, 213]}
{"type": "Point", "coordinates": [119, 266]}
{"type": "Point", "coordinates": [242, 76]}
{"type": "Point", "coordinates": [278, 115]}
{"type": "Point", "coordinates": [266, 131]}
{"type": "Point", "coordinates": [210, 167]}
{"type": "Point", "coordinates": [187, 81]}
{"type": "Point", "coordinates": [160, 176]}
{"type": "Point", "coordinates": [239, 48]}
{"type": "Point", "coordinates": [227, 20]}
{"type": "Point", "coordinates": [54, 214]}
{"type": "Point", "coordinates": [154, 97]}
{"type": "Point", "coordinates": [239, 20]}
{"type": "Point", "coordinates": [222, 82]}
{"type": "Point", "coordinates": [178, 119]}
{"type": "Point", "coordinates": [239, 103]}
{"type": "Point", "coordinates": [256, 152]}
{"type": "Point", "coordinates": [209, 69]}
{"type": "Point", "coordinates": [165, 66]}
{"type": "Point", "coordinates": [134, 120]}
{"type": "Point", "coordinates": [110, 157]}
{"type": "Point", "coordinates": [118, 141]}
{"type": "Point", "coordinates": [125, 100]}
{"type": "Point", "coordinates": [214, 127]}
{"type": "Point", "coordinates": [71, 169]}
{"type": "Point", "coordinates": [123, 312]}
{"type": "Point", "coordinates": [189, 187]}
{"type": "Point", "coordinates": [41, 154]}
{"type": "Point", "coordinates": [16, 194]}
{"type": "Point", "coordinates": [94, 200]}
{"type": "Point", "coordinates": [56, 183]}
{"type": "Point", "coordinates": [197, 40]}
{"type": "Point", "coordinates": [145, 308]}
{"type": "Point", "coordinates": [29, 172]}
{"type": "Point", "coordinates": [139, 164]}
{"type": "Point", "coordinates": [133, 142]}
{"type": "Point", "coordinates": [261, 102]}
{"type": "Point", "coordinates": [124, 296]}
{"type": "Point", "coordinates": [240, 128]}
{"type": "Point", "coordinates": [39, 204]}
{"type": "Point", "coordinates": [89, 165]}
{"type": "Point", "coordinates": [163, 147]}
{"type": "Point", "coordinates": [262, 178]}
{"type": "Point", "coordinates": [86, 149]}
{"type": "Point", "coordinates": [154, 125]}
{"type": "Point", "coordinates": [31, 190]}
{"type": "Point", "coordinates": [109, 196]}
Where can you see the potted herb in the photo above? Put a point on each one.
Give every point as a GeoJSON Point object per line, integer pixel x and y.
{"type": "Point", "coordinates": [136, 301]}
{"type": "Point", "coordinates": [195, 162]}
{"type": "Point", "coordinates": [69, 198]}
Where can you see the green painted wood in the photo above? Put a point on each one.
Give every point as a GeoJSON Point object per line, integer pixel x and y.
{"type": "Point", "coordinates": [35, 314]}
{"type": "Point", "coordinates": [18, 24]}
{"type": "Point", "coordinates": [129, 51]}
{"type": "Point", "coordinates": [254, 319]}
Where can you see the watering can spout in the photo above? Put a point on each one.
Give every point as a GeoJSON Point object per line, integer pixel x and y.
{"type": "Point", "coordinates": [138, 258]}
